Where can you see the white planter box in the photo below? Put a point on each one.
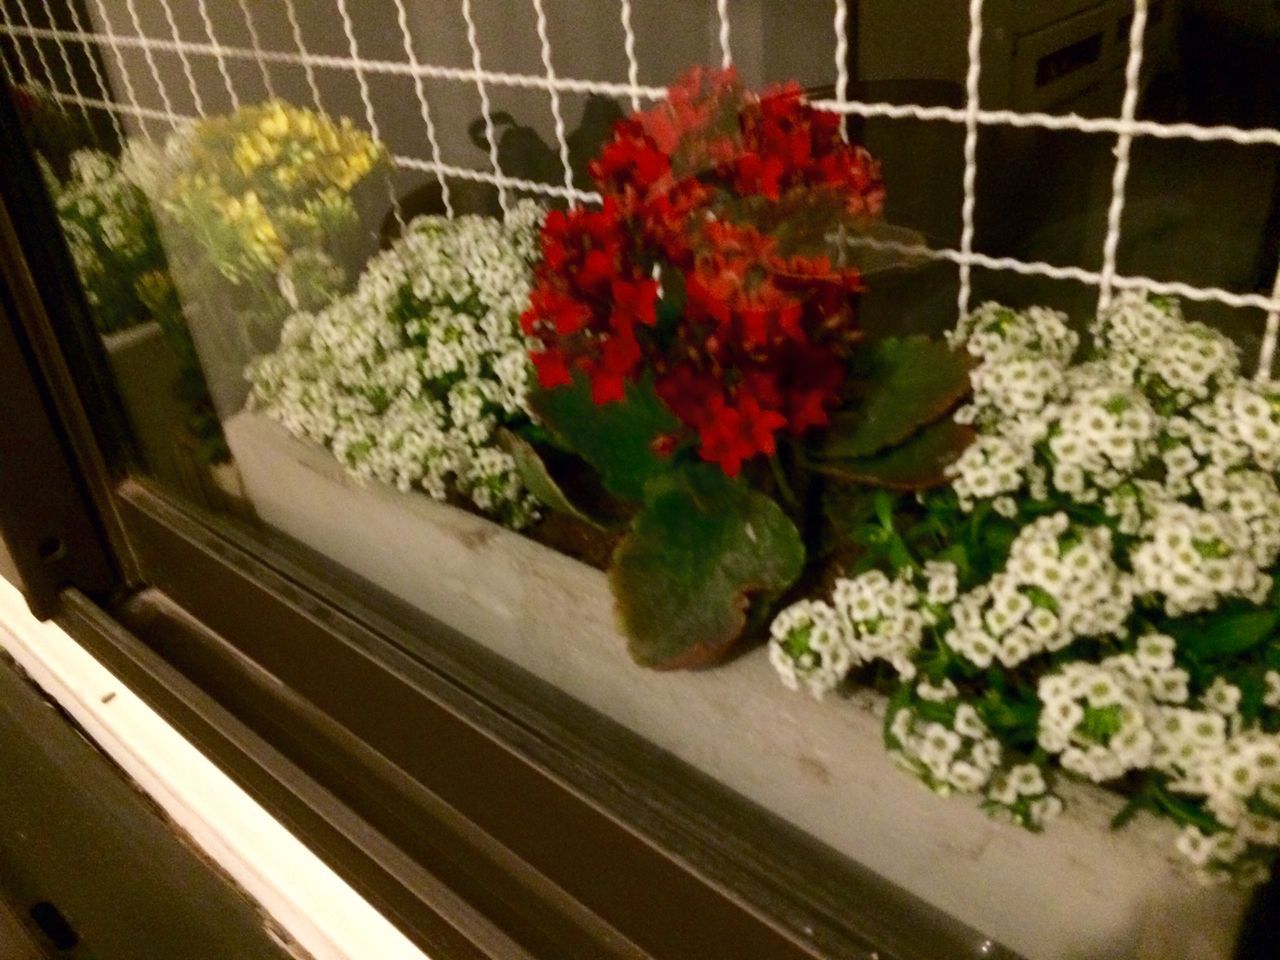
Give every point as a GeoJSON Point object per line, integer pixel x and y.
{"type": "Point", "coordinates": [146, 373]}
{"type": "Point", "coordinates": [1078, 891]}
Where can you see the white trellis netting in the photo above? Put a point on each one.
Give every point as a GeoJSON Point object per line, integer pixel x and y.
{"type": "Point", "coordinates": [121, 30]}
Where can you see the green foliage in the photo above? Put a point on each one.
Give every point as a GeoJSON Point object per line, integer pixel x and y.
{"type": "Point", "coordinates": [123, 268]}
{"type": "Point", "coordinates": [618, 439]}
{"type": "Point", "coordinates": [1224, 633]}
{"type": "Point", "coordinates": [113, 240]}
{"type": "Point", "coordinates": [705, 549]}
{"type": "Point", "coordinates": [917, 464]}
{"type": "Point", "coordinates": [707, 555]}
{"type": "Point", "coordinates": [908, 384]}
{"type": "Point", "coordinates": [897, 435]}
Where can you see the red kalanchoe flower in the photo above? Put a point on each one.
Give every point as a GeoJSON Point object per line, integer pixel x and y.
{"type": "Point", "coordinates": [718, 203]}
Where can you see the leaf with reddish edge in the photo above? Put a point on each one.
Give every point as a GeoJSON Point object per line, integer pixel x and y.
{"type": "Point", "coordinates": [918, 464]}
{"type": "Point", "coordinates": [621, 439]}
{"type": "Point", "coordinates": [910, 383]}
{"type": "Point", "coordinates": [704, 552]}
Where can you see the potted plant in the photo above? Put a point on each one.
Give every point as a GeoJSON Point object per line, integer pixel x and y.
{"type": "Point", "coordinates": [256, 213]}
{"type": "Point", "coordinates": [1093, 595]}
{"type": "Point", "coordinates": [707, 426]}
{"type": "Point", "coordinates": [117, 252]}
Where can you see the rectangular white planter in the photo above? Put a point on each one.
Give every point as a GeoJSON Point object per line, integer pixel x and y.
{"type": "Point", "coordinates": [1079, 891]}
{"type": "Point", "coordinates": [146, 374]}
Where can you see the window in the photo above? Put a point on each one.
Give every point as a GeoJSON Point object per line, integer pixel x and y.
{"type": "Point", "coordinates": [465, 372]}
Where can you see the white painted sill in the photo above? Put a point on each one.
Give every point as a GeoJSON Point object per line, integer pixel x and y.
{"type": "Point", "coordinates": [318, 910]}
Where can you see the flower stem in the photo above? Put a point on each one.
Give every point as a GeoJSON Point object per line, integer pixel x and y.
{"type": "Point", "coordinates": [780, 478]}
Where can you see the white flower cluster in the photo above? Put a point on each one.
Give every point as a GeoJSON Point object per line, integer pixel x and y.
{"type": "Point", "coordinates": [1195, 557]}
{"type": "Point", "coordinates": [1148, 341]}
{"type": "Point", "coordinates": [1102, 435]}
{"type": "Point", "coordinates": [1092, 716]}
{"type": "Point", "coordinates": [994, 332]}
{"type": "Point", "coordinates": [944, 742]}
{"type": "Point", "coordinates": [1239, 425]}
{"type": "Point", "coordinates": [1239, 780]}
{"type": "Point", "coordinates": [813, 644]}
{"type": "Point", "coordinates": [1222, 857]}
{"type": "Point", "coordinates": [950, 749]}
{"type": "Point", "coordinates": [807, 648]}
{"type": "Point", "coordinates": [1160, 429]}
{"type": "Point", "coordinates": [99, 193]}
{"type": "Point", "coordinates": [1021, 795]}
{"type": "Point", "coordinates": [1104, 500]}
{"type": "Point", "coordinates": [1059, 584]}
{"type": "Point", "coordinates": [1130, 712]}
{"type": "Point", "coordinates": [409, 377]}
{"type": "Point", "coordinates": [108, 226]}
{"type": "Point", "coordinates": [991, 466]}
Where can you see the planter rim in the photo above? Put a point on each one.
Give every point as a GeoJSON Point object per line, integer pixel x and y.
{"type": "Point", "coordinates": [1077, 889]}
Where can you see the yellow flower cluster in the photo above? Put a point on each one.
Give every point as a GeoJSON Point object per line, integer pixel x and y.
{"type": "Point", "coordinates": [267, 180]}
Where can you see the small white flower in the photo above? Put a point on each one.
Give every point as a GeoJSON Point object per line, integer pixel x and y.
{"type": "Point", "coordinates": [808, 647]}
{"type": "Point", "coordinates": [1272, 696]}
{"type": "Point", "coordinates": [1222, 697]}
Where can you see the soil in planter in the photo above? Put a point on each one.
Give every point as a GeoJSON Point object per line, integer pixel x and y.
{"type": "Point", "coordinates": [576, 539]}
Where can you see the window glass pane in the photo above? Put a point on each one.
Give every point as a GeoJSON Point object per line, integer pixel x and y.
{"type": "Point", "coordinates": [536, 317]}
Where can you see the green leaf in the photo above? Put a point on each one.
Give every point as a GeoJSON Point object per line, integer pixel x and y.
{"type": "Point", "coordinates": [704, 549]}
{"type": "Point", "coordinates": [615, 438]}
{"type": "Point", "coordinates": [1183, 811]}
{"type": "Point", "coordinates": [910, 383]}
{"type": "Point", "coordinates": [918, 464]}
{"type": "Point", "coordinates": [1253, 691]}
{"type": "Point", "coordinates": [538, 480]}
{"type": "Point", "coordinates": [1225, 633]}
{"type": "Point", "coordinates": [1015, 716]}
{"type": "Point", "coordinates": [848, 508]}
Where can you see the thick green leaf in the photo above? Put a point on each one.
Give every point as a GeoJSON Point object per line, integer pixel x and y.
{"type": "Point", "coordinates": [615, 438]}
{"type": "Point", "coordinates": [538, 480]}
{"type": "Point", "coordinates": [1225, 633]}
{"type": "Point", "coordinates": [918, 464]}
{"type": "Point", "coordinates": [701, 552]}
{"type": "Point", "coordinates": [910, 383]}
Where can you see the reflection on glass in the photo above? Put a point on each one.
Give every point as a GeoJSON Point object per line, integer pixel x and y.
{"type": "Point", "coordinates": [117, 251]}
{"type": "Point", "coordinates": [257, 216]}
{"type": "Point", "coordinates": [731, 375]}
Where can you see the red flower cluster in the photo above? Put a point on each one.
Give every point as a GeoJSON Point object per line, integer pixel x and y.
{"type": "Point", "coordinates": [718, 203]}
